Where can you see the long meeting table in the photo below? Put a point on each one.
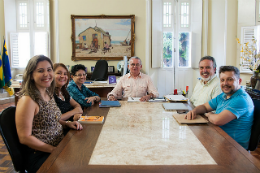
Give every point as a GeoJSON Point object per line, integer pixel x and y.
{"type": "Point", "coordinates": [143, 137]}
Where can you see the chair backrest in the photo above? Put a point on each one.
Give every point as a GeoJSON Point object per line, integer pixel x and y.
{"type": "Point", "coordinates": [10, 138]}
{"type": "Point", "coordinates": [100, 71]}
{"type": "Point", "coordinates": [255, 131]}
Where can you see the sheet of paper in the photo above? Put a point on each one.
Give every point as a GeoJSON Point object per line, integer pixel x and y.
{"type": "Point", "coordinates": [134, 99]}
{"type": "Point", "coordinates": [176, 98]}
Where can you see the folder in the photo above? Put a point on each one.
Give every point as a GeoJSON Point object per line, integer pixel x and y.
{"type": "Point", "coordinates": [91, 120]}
{"type": "Point", "coordinates": [174, 106]}
{"type": "Point", "coordinates": [106, 104]}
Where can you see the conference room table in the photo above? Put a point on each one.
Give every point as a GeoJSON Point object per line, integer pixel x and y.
{"type": "Point", "coordinates": [143, 137]}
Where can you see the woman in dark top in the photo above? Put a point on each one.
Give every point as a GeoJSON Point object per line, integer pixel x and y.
{"type": "Point", "coordinates": [70, 109]}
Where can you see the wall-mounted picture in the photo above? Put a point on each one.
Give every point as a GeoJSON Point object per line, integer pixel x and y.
{"type": "Point", "coordinates": [111, 69]}
{"type": "Point", "coordinates": [102, 37]}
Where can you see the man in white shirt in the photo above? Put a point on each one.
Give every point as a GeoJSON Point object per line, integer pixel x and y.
{"type": "Point", "coordinates": [208, 86]}
{"type": "Point", "coordinates": [134, 84]}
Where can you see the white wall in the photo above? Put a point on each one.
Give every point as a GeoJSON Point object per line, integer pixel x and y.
{"type": "Point", "coordinates": [2, 26]}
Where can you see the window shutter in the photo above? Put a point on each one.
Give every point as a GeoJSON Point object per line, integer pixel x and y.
{"type": "Point", "coordinates": [157, 33]}
{"type": "Point", "coordinates": [247, 36]}
{"type": "Point", "coordinates": [41, 44]}
{"type": "Point", "coordinates": [14, 50]}
{"type": "Point", "coordinates": [20, 49]}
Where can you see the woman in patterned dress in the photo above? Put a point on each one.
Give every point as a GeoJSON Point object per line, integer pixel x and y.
{"type": "Point", "coordinates": [70, 109]}
{"type": "Point", "coordinates": [37, 117]}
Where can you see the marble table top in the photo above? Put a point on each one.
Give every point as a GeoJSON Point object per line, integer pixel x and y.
{"type": "Point", "coordinates": [143, 133]}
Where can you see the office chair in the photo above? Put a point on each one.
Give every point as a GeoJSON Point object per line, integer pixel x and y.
{"type": "Point", "coordinates": [255, 131]}
{"type": "Point", "coordinates": [100, 71]}
{"type": "Point", "coordinates": [10, 138]}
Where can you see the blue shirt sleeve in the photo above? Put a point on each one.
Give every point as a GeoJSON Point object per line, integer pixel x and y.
{"type": "Point", "coordinates": [213, 103]}
{"type": "Point", "coordinates": [238, 107]}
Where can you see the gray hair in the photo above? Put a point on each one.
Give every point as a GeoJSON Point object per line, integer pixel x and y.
{"type": "Point", "coordinates": [209, 58]}
{"type": "Point", "coordinates": [135, 57]}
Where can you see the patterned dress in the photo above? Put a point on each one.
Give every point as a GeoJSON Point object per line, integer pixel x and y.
{"type": "Point", "coordinates": [46, 126]}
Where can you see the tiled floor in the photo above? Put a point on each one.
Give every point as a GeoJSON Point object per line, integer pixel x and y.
{"type": "Point", "coordinates": [6, 162]}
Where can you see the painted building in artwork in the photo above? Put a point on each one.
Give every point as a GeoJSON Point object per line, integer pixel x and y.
{"type": "Point", "coordinates": [94, 37]}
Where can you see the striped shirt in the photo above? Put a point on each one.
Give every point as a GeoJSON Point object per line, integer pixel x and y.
{"type": "Point", "coordinates": [129, 86]}
{"type": "Point", "coordinates": [203, 93]}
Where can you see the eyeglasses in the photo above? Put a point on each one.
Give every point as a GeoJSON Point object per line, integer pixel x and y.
{"type": "Point", "coordinates": [137, 65]}
{"type": "Point", "coordinates": [80, 75]}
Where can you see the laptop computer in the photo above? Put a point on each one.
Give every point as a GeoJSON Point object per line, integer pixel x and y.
{"type": "Point", "coordinates": [175, 106]}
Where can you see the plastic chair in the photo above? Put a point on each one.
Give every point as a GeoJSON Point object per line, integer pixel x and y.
{"type": "Point", "coordinates": [255, 131]}
{"type": "Point", "coordinates": [10, 138]}
{"type": "Point", "coordinates": [100, 71]}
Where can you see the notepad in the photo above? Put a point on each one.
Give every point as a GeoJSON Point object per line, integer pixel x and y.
{"type": "Point", "coordinates": [134, 99]}
{"type": "Point", "coordinates": [176, 98]}
{"type": "Point", "coordinates": [180, 118]}
{"type": "Point", "coordinates": [105, 104]}
{"type": "Point", "coordinates": [91, 119]}
{"type": "Point", "coordinates": [174, 106]}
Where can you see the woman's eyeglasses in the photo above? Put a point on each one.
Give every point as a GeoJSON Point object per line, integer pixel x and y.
{"type": "Point", "coordinates": [80, 75]}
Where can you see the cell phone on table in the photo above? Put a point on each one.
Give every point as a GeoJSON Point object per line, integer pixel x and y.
{"type": "Point", "coordinates": [182, 111]}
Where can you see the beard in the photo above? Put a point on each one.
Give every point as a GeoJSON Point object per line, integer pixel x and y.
{"type": "Point", "coordinates": [206, 79]}
{"type": "Point", "coordinates": [231, 92]}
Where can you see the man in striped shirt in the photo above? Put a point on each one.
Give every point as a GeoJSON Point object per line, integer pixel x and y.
{"type": "Point", "coordinates": [208, 86]}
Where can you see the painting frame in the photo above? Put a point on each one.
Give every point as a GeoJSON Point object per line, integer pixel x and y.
{"type": "Point", "coordinates": [93, 45]}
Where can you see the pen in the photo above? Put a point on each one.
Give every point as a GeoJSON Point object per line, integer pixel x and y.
{"type": "Point", "coordinates": [132, 98]}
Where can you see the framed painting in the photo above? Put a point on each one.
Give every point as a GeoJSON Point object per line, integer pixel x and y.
{"type": "Point", "coordinates": [105, 37]}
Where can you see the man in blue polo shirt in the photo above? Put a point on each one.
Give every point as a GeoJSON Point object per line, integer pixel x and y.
{"type": "Point", "coordinates": [234, 107]}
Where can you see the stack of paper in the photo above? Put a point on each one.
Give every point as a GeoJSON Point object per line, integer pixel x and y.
{"type": "Point", "coordinates": [176, 98]}
{"type": "Point", "coordinates": [134, 99]}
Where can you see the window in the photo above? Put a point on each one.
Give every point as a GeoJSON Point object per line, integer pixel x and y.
{"type": "Point", "coordinates": [167, 61]}
{"type": "Point", "coordinates": [32, 31]}
{"type": "Point", "coordinates": [247, 35]}
{"type": "Point", "coordinates": [184, 49]}
{"type": "Point", "coordinates": [172, 29]}
{"type": "Point", "coordinates": [184, 36]}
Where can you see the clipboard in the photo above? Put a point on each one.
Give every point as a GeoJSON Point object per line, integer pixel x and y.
{"type": "Point", "coordinates": [180, 118]}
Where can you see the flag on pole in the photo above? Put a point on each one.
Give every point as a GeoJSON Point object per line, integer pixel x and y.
{"type": "Point", "coordinates": [5, 71]}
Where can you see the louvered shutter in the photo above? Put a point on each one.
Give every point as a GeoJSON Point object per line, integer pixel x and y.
{"type": "Point", "coordinates": [247, 36]}
{"type": "Point", "coordinates": [20, 49]}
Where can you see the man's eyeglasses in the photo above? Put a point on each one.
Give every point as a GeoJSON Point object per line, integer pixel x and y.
{"type": "Point", "coordinates": [137, 65]}
{"type": "Point", "coordinates": [80, 75]}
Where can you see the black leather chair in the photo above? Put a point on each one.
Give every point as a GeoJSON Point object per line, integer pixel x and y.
{"type": "Point", "coordinates": [100, 71]}
{"type": "Point", "coordinates": [255, 131]}
{"type": "Point", "coordinates": [10, 138]}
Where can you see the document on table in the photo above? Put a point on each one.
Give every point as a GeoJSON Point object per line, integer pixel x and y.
{"type": "Point", "coordinates": [134, 99]}
{"type": "Point", "coordinates": [176, 98]}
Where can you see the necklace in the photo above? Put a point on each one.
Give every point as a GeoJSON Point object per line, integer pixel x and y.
{"type": "Point", "coordinates": [61, 96]}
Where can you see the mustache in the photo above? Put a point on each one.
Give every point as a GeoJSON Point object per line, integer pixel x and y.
{"type": "Point", "coordinates": [227, 86]}
{"type": "Point", "coordinates": [204, 73]}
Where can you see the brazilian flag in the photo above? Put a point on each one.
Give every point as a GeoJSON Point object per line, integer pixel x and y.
{"type": "Point", "coordinates": [5, 71]}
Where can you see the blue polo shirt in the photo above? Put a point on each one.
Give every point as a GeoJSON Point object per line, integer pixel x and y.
{"type": "Point", "coordinates": [242, 106]}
